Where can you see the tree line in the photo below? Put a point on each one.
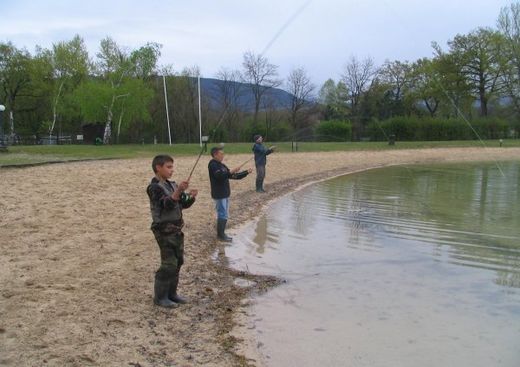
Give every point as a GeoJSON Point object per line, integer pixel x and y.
{"type": "Point", "coordinates": [474, 81]}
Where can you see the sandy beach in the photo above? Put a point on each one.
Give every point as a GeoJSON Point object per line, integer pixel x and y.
{"type": "Point", "coordinates": [78, 259]}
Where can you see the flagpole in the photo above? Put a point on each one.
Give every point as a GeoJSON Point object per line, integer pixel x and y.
{"type": "Point", "coordinates": [167, 114]}
{"type": "Point", "coordinates": [200, 114]}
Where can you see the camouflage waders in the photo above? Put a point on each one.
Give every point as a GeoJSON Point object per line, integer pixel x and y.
{"type": "Point", "coordinates": [167, 276]}
{"type": "Point", "coordinates": [167, 226]}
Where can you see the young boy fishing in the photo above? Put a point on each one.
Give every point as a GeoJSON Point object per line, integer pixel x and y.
{"type": "Point", "coordinates": [167, 200]}
{"type": "Point", "coordinates": [260, 152]}
{"type": "Point", "coordinates": [219, 176]}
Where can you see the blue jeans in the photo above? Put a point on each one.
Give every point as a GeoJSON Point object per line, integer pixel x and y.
{"type": "Point", "coordinates": [222, 207]}
{"type": "Point", "coordinates": [260, 175]}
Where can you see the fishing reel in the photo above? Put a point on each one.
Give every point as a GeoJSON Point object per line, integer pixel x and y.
{"type": "Point", "coordinates": [186, 198]}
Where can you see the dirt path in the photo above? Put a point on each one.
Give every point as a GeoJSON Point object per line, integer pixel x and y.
{"type": "Point", "coordinates": [78, 259]}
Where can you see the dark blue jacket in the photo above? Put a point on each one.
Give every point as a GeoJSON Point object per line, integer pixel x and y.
{"type": "Point", "coordinates": [261, 152]}
{"type": "Point", "coordinates": [219, 176]}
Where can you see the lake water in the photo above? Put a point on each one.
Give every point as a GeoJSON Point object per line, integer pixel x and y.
{"type": "Point", "coordinates": [400, 266]}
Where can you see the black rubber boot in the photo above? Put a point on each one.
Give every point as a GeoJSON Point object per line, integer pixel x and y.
{"type": "Point", "coordinates": [172, 295]}
{"type": "Point", "coordinates": [260, 186]}
{"type": "Point", "coordinates": [221, 231]}
{"type": "Point", "coordinates": [161, 289]}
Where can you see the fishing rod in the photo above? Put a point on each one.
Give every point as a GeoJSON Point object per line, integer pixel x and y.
{"type": "Point", "coordinates": [203, 148]}
{"type": "Point", "coordinates": [253, 157]}
{"type": "Point", "coordinates": [282, 29]}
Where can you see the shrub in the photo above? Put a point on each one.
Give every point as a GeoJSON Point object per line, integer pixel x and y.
{"type": "Point", "coordinates": [333, 130]}
{"type": "Point", "coordinates": [431, 129]}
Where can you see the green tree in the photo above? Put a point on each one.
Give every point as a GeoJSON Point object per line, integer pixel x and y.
{"type": "Point", "coordinates": [479, 58]}
{"type": "Point", "coordinates": [334, 98]}
{"type": "Point", "coordinates": [15, 78]}
{"type": "Point", "coordinates": [116, 68]}
{"type": "Point", "coordinates": [70, 67]}
{"type": "Point", "coordinates": [509, 26]}
{"type": "Point", "coordinates": [397, 76]}
{"type": "Point", "coordinates": [454, 85]}
{"type": "Point", "coordinates": [425, 87]}
{"type": "Point", "coordinates": [145, 59]}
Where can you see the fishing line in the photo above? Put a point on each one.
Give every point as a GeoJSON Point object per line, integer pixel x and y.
{"type": "Point", "coordinates": [269, 44]}
{"type": "Point", "coordinates": [210, 137]}
{"type": "Point", "coordinates": [282, 29]}
{"type": "Point", "coordinates": [459, 112]}
{"type": "Point", "coordinates": [468, 123]}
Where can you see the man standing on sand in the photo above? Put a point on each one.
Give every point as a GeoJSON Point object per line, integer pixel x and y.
{"type": "Point", "coordinates": [261, 152]}
{"type": "Point", "coordinates": [219, 176]}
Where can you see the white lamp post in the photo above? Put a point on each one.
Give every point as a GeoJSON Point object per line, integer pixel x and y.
{"type": "Point", "coordinates": [3, 148]}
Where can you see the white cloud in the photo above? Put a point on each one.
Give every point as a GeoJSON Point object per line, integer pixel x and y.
{"type": "Point", "coordinates": [213, 34]}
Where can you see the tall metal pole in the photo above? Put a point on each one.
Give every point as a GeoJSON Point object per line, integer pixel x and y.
{"type": "Point", "coordinates": [200, 115]}
{"type": "Point", "coordinates": [167, 114]}
{"type": "Point", "coordinates": [3, 148]}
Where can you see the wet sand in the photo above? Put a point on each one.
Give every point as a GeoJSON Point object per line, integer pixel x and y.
{"type": "Point", "coordinates": [78, 259]}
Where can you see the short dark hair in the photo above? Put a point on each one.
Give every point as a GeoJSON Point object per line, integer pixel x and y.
{"type": "Point", "coordinates": [214, 151]}
{"type": "Point", "coordinates": [160, 160]}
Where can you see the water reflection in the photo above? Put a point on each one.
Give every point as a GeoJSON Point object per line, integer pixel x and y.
{"type": "Point", "coordinates": [405, 259]}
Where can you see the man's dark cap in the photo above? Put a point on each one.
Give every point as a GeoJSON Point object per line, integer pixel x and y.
{"type": "Point", "coordinates": [214, 150]}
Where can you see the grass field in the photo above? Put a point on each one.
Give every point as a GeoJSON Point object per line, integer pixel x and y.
{"type": "Point", "coordinates": [39, 154]}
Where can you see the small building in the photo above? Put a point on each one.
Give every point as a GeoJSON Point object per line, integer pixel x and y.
{"type": "Point", "coordinates": [93, 132]}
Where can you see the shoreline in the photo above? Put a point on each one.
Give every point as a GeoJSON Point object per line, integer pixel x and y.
{"type": "Point", "coordinates": [246, 347]}
{"type": "Point", "coordinates": [79, 258]}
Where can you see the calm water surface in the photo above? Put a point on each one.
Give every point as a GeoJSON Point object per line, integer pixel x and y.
{"type": "Point", "coordinates": [402, 266]}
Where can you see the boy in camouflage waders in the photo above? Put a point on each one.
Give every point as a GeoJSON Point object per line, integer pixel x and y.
{"type": "Point", "coordinates": [167, 200]}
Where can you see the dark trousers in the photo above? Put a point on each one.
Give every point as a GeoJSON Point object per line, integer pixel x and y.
{"type": "Point", "coordinates": [171, 247]}
{"type": "Point", "coordinates": [260, 175]}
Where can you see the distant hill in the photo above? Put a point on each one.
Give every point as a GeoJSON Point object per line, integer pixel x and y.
{"type": "Point", "coordinates": [212, 89]}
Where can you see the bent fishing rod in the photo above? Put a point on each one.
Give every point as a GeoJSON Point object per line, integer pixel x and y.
{"type": "Point", "coordinates": [271, 42]}
{"type": "Point", "coordinates": [253, 157]}
{"type": "Point", "coordinates": [209, 138]}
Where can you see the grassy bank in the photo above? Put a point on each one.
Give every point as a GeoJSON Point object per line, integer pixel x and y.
{"type": "Point", "coordinates": [36, 154]}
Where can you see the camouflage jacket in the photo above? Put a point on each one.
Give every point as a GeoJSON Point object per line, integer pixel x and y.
{"type": "Point", "coordinates": [167, 212]}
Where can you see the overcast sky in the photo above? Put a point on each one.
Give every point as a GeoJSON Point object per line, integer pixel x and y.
{"type": "Point", "coordinates": [319, 35]}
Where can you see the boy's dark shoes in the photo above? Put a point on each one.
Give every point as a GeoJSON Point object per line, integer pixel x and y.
{"type": "Point", "coordinates": [225, 238]}
{"type": "Point", "coordinates": [221, 228]}
{"type": "Point", "coordinates": [167, 303]}
{"type": "Point", "coordinates": [161, 289]}
{"type": "Point", "coordinates": [179, 299]}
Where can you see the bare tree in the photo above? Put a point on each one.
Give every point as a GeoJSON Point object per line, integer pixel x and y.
{"type": "Point", "coordinates": [273, 115]}
{"type": "Point", "coordinates": [229, 92]}
{"type": "Point", "coordinates": [301, 89]}
{"type": "Point", "coordinates": [186, 94]}
{"type": "Point", "coordinates": [261, 76]}
{"type": "Point", "coordinates": [357, 77]}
